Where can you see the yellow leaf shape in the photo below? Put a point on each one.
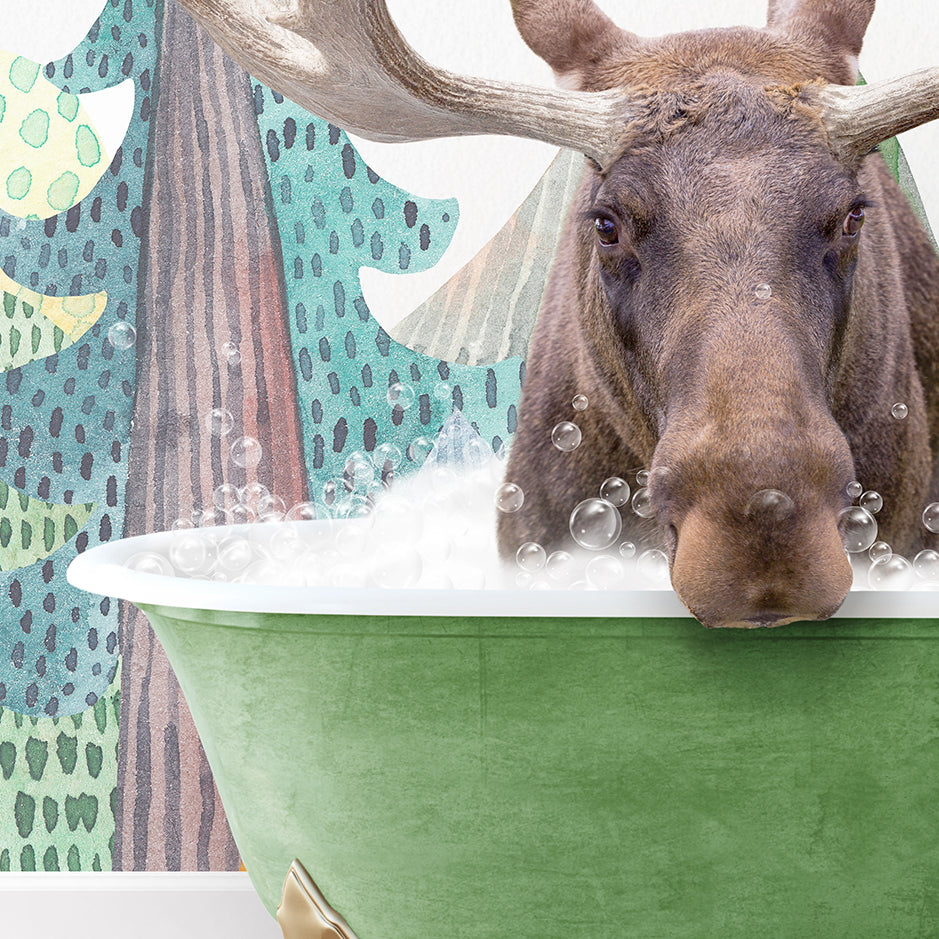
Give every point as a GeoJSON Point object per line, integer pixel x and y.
{"type": "Point", "coordinates": [51, 156]}
{"type": "Point", "coordinates": [25, 335]}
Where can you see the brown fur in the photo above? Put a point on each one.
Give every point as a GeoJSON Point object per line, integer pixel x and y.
{"type": "Point", "coordinates": [727, 181]}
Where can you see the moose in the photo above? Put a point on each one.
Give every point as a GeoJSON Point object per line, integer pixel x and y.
{"type": "Point", "coordinates": [741, 288]}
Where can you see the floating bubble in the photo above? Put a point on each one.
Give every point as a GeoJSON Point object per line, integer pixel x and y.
{"type": "Point", "coordinates": [189, 553]}
{"type": "Point", "coordinates": [892, 573]}
{"type": "Point", "coordinates": [627, 550]}
{"type": "Point", "coordinates": [615, 490]}
{"type": "Point", "coordinates": [122, 335]}
{"type": "Point", "coordinates": [181, 523]}
{"type": "Point", "coordinates": [595, 524]}
{"type": "Point", "coordinates": [604, 572]}
{"type": "Point", "coordinates": [443, 391]}
{"type": "Point", "coordinates": [524, 580]}
{"type": "Point", "coordinates": [242, 514]}
{"type": "Point", "coordinates": [854, 489]}
{"type": "Point", "coordinates": [400, 396]}
{"type": "Point", "coordinates": [252, 494]}
{"type": "Point", "coordinates": [397, 566]}
{"type": "Point", "coordinates": [385, 455]}
{"type": "Point", "coordinates": [149, 562]}
{"type": "Point", "coordinates": [225, 495]}
{"type": "Point", "coordinates": [642, 478]}
{"type": "Point", "coordinates": [509, 497]}
{"type": "Point", "coordinates": [931, 516]}
{"type": "Point", "coordinates": [358, 474]}
{"type": "Point", "coordinates": [926, 565]}
{"type": "Point", "coordinates": [580, 402]}
{"type": "Point", "coordinates": [201, 517]}
{"type": "Point", "coordinates": [771, 505]}
{"type": "Point", "coordinates": [271, 508]}
{"type": "Point", "coordinates": [878, 550]}
{"type": "Point", "coordinates": [899, 411]}
{"type": "Point", "coordinates": [531, 556]}
{"type": "Point", "coordinates": [642, 504]}
{"type": "Point", "coordinates": [763, 291]}
{"type": "Point", "coordinates": [353, 505]}
{"type": "Point", "coordinates": [234, 555]}
{"type": "Point", "coordinates": [219, 422]}
{"type": "Point", "coordinates": [419, 449]}
{"type": "Point", "coordinates": [245, 452]}
{"type": "Point", "coordinates": [231, 353]}
{"type": "Point", "coordinates": [561, 567]}
{"type": "Point", "coordinates": [872, 501]}
{"type": "Point", "coordinates": [566, 436]}
{"type": "Point", "coordinates": [653, 565]}
{"type": "Point", "coordinates": [302, 512]}
{"type": "Point", "coordinates": [858, 529]}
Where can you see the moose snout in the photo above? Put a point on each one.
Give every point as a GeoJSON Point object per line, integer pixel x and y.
{"type": "Point", "coordinates": [760, 571]}
{"type": "Point", "coordinates": [753, 533]}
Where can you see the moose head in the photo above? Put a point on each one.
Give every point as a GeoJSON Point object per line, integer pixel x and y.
{"type": "Point", "coordinates": [741, 290]}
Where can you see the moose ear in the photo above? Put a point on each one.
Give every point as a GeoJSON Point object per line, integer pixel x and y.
{"type": "Point", "coordinates": [570, 35]}
{"type": "Point", "coordinates": [838, 24]}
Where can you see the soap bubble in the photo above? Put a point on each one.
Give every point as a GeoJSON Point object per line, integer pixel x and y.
{"type": "Point", "coordinates": [604, 572]}
{"type": "Point", "coordinates": [358, 474]}
{"type": "Point", "coordinates": [561, 567]}
{"type": "Point", "coordinates": [509, 497]}
{"type": "Point", "coordinates": [397, 565]}
{"type": "Point", "coordinates": [854, 489]}
{"type": "Point", "coordinates": [352, 505]}
{"type": "Point", "coordinates": [899, 411]}
{"type": "Point", "coordinates": [931, 516]}
{"type": "Point", "coordinates": [302, 511]}
{"type": "Point", "coordinates": [226, 494]}
{"type": "Point", "coordinates": [771, 505]}
{"type": "Point", "coordinates": [387, 454]}
{"type": "Point", "coordinates": [615, 491]}
{"type": "Point", "coordinates": [443, 391]}
{"type": "Point", "coordinates": [245, 452]}
{"type": "Point", "coordinates": [180, 523]}
{"type": "Point", "coordinates": [242, 514]}
{"type": "Point", "coordinates": [642, 478]}
{"type": "Point", "coordinates": [872, 501]}
{"type": "Point", "coordinates": [893, 573]}
{"type": "Point", "coordinates": [219, 422]}
{"type": "Point", "coordinates": [234, 555]}
{"type": "Point", "coordinates": [653, 565]}
{"type": "Point", "coordinates": [763, 291]}
{"type": "Point", "coordinates": [531, 556]}
{"type": "Point", "coordinates": [642, 504]}
{"type": "Point", "coordinates": [580, 402]}
{"type": "Point", "coordinates": [122, 335]}
{"type": "Point", "coordinates": [566, 436]}
{"type": "Point", "coordinates": [401, 396]}
{"type": "Point", "coordinates": [150, 562]}
{"type": "Point", "coordinates": [627, 550]}
{"type": "Point", "coordinates": [271, 508]}
{"type": "Point", "coordinates": [858, 529]}
{"type": "Point", "coordinates": [419, 449]}
{"type": "Point", "coordinates": [231, 353]}
{"type": "Point", "coordinates": [524, 580]}
{"type": "Point", "coordinates": [878, 550]}
{"type": "Point", "coordinates": [595, 524]}
{"type": "Point", "coordinates": [189, 553]}
{"type": "Point", "coordinates": [926, 565]}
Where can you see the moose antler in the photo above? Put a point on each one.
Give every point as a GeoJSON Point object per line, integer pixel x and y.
{"type": "Point", "coordinates": [346, 61]}
{"type": "Point", "coordinates": [858, 118]}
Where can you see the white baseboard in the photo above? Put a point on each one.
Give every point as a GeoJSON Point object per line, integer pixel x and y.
{"type": "Point", "coordinates": [121, 905]}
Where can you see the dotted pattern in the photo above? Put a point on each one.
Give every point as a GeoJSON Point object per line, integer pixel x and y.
{"type": "Point", "coordinates": [30, 530]}
{"type": "Point", "coordinates": [50, 154]}
{"type": "Point", "coordinates": [34, 326]}
{"type": "Point", "coordinates": [335, 216]}
{"type": "Point", "coordinates": [65, 418]}
{"type": "Point", "coordinates": [57, 792]}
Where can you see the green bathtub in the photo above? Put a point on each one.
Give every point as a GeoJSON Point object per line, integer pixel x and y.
{"type": "Point", "coordinates": [549, 765]}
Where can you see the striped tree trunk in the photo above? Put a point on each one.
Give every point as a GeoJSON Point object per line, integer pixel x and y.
{"type": "Point", "coordinates": [211, 275]}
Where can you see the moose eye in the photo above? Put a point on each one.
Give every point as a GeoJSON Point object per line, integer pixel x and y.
{"type": "Point", "coordinates": [606, 231]}
{"type": "Point", "coordinates": [853, 222]}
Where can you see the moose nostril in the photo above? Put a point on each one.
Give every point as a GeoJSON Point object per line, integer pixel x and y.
{"type": "Point", "coordinates": [770, 505]}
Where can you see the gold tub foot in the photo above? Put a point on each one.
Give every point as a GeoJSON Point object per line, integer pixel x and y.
{"type": "Point", "coordinates": [304, 913]}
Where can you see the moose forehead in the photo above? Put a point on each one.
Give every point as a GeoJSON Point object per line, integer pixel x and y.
{"type": "Point", "coordinates": [724, 146]}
